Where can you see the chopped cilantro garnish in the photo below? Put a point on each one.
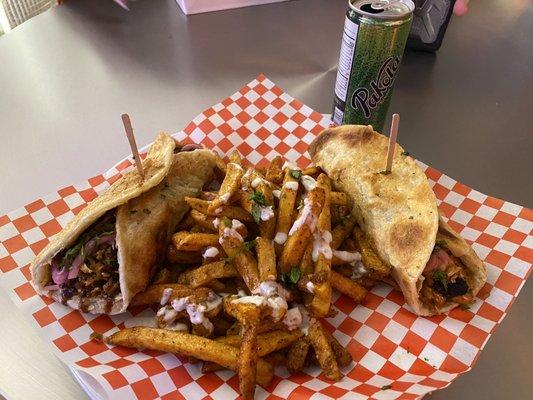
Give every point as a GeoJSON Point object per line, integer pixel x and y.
{"type": "Point", "coordinates": [386, 387]}
{"type": "Point", "coordinates": [256, 212]}
{"type": "Point", "coordinates": [426, 359]}
{"type": "Point", "coordinates": [259, 198]}
{"type": "Point", "coordinates": [248, 245]}
{"type": "Point", "coordinates": [465, 307]}
{"type": "Point", "coordinates": [227, 222]}
{"type": "Point", "coordinates": [411, 217]}
{"type": "Point", "coordinates": [296, 173]}
{"type": "Point", "coordinates": [440, 276]}
{"type": "Point", "coordinates": [300, 204]}
{"type": "Point", "coordinates": [73, 251]}
{"type": "Point", "coordinates": [384, 172]}
{"type": "Point", "coordinates": [292, 277]}
{"type": "Point", "coordinates": [405, 153]}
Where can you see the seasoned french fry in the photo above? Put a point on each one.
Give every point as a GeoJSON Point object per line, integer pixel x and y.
{"type": "Point", "coordinates": [287, 200]}
{"type": "Point", "coordinates": [266, 259]}
{"type": "Point", "coordinates": [206, 273]}
{"type": "Point", "coordinates": [229, 186]}
{"type": "Point", "coordinates": [186, 241]}
{"type": "Point", "coordinates": [297, 354]}
{"type": "Point", "coordinates": [339, 199]}
{"type": "Point", "coordinates": [188, 345]}
{"type": "Point", "coordinates": [153, 293]}
{"type": "Point", "coordinates": [368, 256]}
{"type": "Point", "coordinates": [313, 171]}
{"type": "Point", "coordinates": [235, 157]}
{"type": "Point", "coordinates": [322, 292]}
{"type": "Point", "coordinates": [266, 342]}
{"type": "Point", "coordinates": [220, 326]}
{"type": "Point", "coordinates": [186, 223]}
{"type": "Point", "coordinates": [182, 257]}
{"type": "Point", "coordinates": [243, 260]}
{"type": "Point", "coordinates": [162, 276]}
{"type": "Point", "coordinates": [220, 165]}
{"type": "Point", "coordinates": [277, 358]}
{"type": "Point", "coordinates": [274, 172]}
{"type": "Point", "coordinates": [298, 241]}
{"type": "Point", "coordinates": [324, 354]}
{"type": "Point", "coordinates": [342, 355]}
{"type": "Point", "coordinates": [244, 198]}
{"type": "Point", "coordinates": [245, 313]}
{"type": "Point", "coordinates": [341, 231]}
{"type": "Point", "coordinates": [248, 362]}
{"type": "Point", "coordinates": [267, 227]}
{"type": "Point", "coordinates": [205, 221]}
{"type": "Point", "coordinates": [307, 266]}
{"type": "Point", "coordinates": [231, 212]}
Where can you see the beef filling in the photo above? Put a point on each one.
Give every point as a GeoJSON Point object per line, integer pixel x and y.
{"type": "Point", "coordinates": [89, 269]}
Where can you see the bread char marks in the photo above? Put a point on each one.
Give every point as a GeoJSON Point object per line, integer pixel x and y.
{"type": "Point", "coordinates": [350, 137]}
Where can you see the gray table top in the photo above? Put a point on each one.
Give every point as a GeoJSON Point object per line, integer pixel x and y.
{"type": "Point", "coordinates": [68, 74]}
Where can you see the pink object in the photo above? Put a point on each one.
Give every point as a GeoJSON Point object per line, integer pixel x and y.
{"type": "Point", "coordinates": [201, 6]}
{"type": "Point", "coordinates": [460, 8]}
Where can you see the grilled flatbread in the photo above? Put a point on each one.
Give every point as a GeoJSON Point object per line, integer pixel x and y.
{"type": "Point", "coordinates": [397, 211]}
{"type": "Point", "coordinates": [107, 253]}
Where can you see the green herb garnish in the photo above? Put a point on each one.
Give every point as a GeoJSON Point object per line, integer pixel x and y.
{"type": "Point", "coordinates": [384, 172]}
{"type": "Point", "coordinates": [259, 198]}
{"type": "Point", "coordinates": [292, 277]}
{"type": "Point", "coordinates": [73, 251]}
{"type": "Point", "coordinates": [426, 359]}
{"type": "Point", "coordinates": [248, 245]}
{"type": "Point", "coordinates": [405, 153]}
{"type": "Point", "coordinates": [386, 387]}
{"type": "Point", "coordinates": [411, 217]}
{"type": "Point", "coordinates": [464, 307]}
{"type": "Point", "coordinates": [256, 212]}
{"type": "Point", "coordinates": [440, 276]}
{"type": "Point", "coordinates": [227, 222]}
{"type": "Point", "coordinates": [300, 205]}
{"type": "Point", "coordinates": [296, 173]}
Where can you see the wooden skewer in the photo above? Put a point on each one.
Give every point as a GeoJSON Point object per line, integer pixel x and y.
{"type": "Point", "coordinates": [392, 141]}
{"type": "Point", "coordinates": [131, 138]}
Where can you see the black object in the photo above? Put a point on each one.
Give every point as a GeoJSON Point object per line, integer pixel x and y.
{"type": "Point", "coordinates": [430, 20]}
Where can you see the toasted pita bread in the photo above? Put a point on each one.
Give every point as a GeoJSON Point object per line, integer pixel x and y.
{"type": "Point", "coordinates": [398, 211]}
{"type": "Point", "coordinates": [164, 171]}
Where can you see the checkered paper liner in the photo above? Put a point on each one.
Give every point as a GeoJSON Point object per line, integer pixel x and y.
{"type": "Point", "coordinates": [390, 345]}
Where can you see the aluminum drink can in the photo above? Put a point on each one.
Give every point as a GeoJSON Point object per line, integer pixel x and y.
{"type": "Point", "coordinates": [375, 33]}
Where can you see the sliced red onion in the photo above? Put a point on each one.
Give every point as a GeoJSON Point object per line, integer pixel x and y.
{"type": "Point", "coordinates": [51, 287]}
{"type": "Point", "coordinates": [106, 239]}
{"type": "Point", "coordinates": [75, 267]}
{"type": "Point", "coordinates": [91, 245]}
{"type": "Point", "coordinates": [438, 260]}
{"type": "Point", "coordinates": [59, 276]}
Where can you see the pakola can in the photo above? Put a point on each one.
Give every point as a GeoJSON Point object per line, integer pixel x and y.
{"type": "Point", "coordinates": [375, 33]}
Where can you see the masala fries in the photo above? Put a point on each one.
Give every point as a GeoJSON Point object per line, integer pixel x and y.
{"type": "Point", "coordinates": [256, 262]}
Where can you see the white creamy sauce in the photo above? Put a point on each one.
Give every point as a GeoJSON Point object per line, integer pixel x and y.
{"type": "Point", "coordinates": [254, 299]}
{"type": "Point", "coordinates": [246, 178]}
{"type": "Point", "coordinates": [291, 185]}
{"type": "Point", "coordinates": [149, 322]}
{"type": "Point", "coordinates": [347, 256]}
{"type": "Point", "coordinates": [276, 193]}
{"type": "Point", "coordinates": [216, 222]}
{"type": "Point", "coordinates": [289, 165]}
{"type": "Point", "coordinates": [236, 224]}
{"type": "Point", "coordinates": [358, 270]}
{"type": "Point", "coordinates": [235, 165]}
{"type": "Point", "coordinates": [210, 252]}
{"type": "Point", "coordinates": [308, 182]}
{"type": "Point", "coordinates": [305, 217]}
{"type": "Point", "coordinates": [280, 238]}
{"type": "Point", "coordinates": [310, 286]}
{"type": "Point", "coordinates": [321, 245]}
{"type": "Point", "coordinates": [225, 198]}
{"type": "Point", "coordinates": [177, 326]}
{"type": "Point", "coordinates": [197, 312]}
{"type": "Point", "coordinates": [271, 294]}
{"type": "Point", "coordinates": [166, 296]}
{"type": "Point", "coordinates": [266, 212]}
{"type": "Point", "coordinates": [293, 318]}
{"type": "Point", "coordinates": [230, 232]}
{"type": "Point", "coordinates": [218, 210]}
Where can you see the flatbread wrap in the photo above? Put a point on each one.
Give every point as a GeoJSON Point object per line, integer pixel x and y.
{"type": "Point", "coordinates": [397, 211]}
{"type": "Point", "coordinates": [109, 251]}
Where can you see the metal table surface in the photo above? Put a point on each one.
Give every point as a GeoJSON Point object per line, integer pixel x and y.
{"type": "Point", "coordinates": [68, 74]}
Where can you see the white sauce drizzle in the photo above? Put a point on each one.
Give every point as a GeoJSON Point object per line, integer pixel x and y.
{"type": "Point", "coordinates": [310, 286]}
{"type": "Point", "coordinates": [306, 217]}
{"type": "Point", "coordinates": [347, 256]}
{"type": "Point", "coordinates": [276, 193]}
{"type": "Point", "coordinates": [225, 198]}
{"type": "Point", "coordinates": [166, 296]}
{"type": "Point", "coordinates": [266, 212]}
{"type": "Point", "coordinates": [230, 232]}
{"type": "Point", "coordinates": [291, 185]}
{"type": "Point", "coordinates": [308, 182]}
{"type": "Point", "coordinates": [293, 318]}
{"type": "Point", "coordinates": [321, 245]}
{"type": "Point", "coordinates": [358, 270]}
{"type": "Point", "coordinates": [216, 222]}
{"type": "Point", "coordinates": [210, 252]}
{"type": "Point", "coordinates": [150, 322]}
{"type": "Point", "coordinates": [280, 238]}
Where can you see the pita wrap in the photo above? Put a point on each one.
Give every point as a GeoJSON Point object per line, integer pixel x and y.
{"type": "Point", "coordinates": [142, 214]}
{"type": "Point", "coordinates": [397, 211]}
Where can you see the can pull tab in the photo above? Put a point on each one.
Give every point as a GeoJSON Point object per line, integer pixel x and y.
{"type": "Point", "coordinates": [379, 6]}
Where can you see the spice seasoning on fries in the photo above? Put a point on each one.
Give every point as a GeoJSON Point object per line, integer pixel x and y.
{"type": "Point", "coordinates": [256, 262]}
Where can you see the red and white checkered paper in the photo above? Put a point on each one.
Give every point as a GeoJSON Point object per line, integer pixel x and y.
{"type": "Point", "coordinates": [390, 345]}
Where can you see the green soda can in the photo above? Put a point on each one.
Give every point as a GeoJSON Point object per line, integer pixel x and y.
{"type": "Point", "coordinates": [375, 33]}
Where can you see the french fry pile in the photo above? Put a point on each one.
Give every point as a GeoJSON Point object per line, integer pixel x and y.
{"type": "Point", "coordinates": [252, 275]}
